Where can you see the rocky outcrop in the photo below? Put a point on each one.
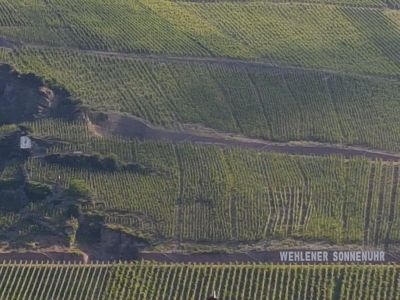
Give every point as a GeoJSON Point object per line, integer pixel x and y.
{"type": "Point", "coordinates": [120, 245]}
{"type": "Point", "coordinates": [26, 97]}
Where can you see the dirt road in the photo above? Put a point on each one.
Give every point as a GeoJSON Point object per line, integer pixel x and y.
{"type": "Point", "coordinates": [133, 127]}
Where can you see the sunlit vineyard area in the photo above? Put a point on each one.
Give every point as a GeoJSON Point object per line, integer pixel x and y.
{"type": "Point", "coordinates": [183, 281]}
{"type": "Point", "coordinates": [265, 102]}
{"type": "Point", "coordinates": [343, 38]}
{"type": "Point", "coordinates": [206, 193]}
{"type": "Point", "coordinates": [170, 149]}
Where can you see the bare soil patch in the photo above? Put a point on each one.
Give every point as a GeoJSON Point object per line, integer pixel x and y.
{"type": "Point", "coordinates": [132, 127]}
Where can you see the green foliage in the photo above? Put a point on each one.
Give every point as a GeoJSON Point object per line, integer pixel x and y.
{"type": "Point", "coordinates": [207, 193]}
{"type": "Point", "coordinates": [99, 162]}
{"type": "Point", "coordinates": [95, 161]}
{"type": "Point", "coordinates": [73, 210]}
{"type": "Point", "coordinates": [72, 226]}
{"type": "Point", "coordinates": [79, 188]}
{"type": "Point", "coordinates": [37, 191]}
{"type": "Point", "coordinates": [269, 103]}
{"type": "Point", "coordinates": [149, 280]}
{"type": "Point", "coordinates": [353, 3]}
{"type": "Point", "coordinates": [7, 220]}
{"type": "Point", "coordinates": [198, 193]}
{"type": "Point", "coordinates": [300, 35]}
{"type": "Point", "coordinates": [7, 129]}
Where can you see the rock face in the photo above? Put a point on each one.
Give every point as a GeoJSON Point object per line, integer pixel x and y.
{"type": "Point", "coordinates": [121, 245]}
{"type": "Point", "coordinates": [25, 97]}
{"type": "Point", "coordinates": [22, 98]}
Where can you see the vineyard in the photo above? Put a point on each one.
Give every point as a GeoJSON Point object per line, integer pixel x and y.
{"type": "Point", "coordinates": [173, 127]}
{"type": "Point", "coordinates": [285, 103]}
{"type": "Point", "coordinates": [190, 281]}
{"type": "Point", "coordinates": [209, 193]}
{"type": "Point", "coordinates": [344, 38]}
{"type": "Point", "coordinates": [394, 4]}
{"type": "Point", "coordinates": [270, 103]}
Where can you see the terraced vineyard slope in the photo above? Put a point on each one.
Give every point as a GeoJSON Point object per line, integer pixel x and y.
{"type": "Point", "coordinates": [255, 100]}
{"type": "Point", "coordinates": [195, 192]}
{"type": "Point", "coordinates": [352, 39]}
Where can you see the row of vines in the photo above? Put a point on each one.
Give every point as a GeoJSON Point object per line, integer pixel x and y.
{"type": "Point", "coordinates": [269, 103]}
{"type": "Point", "coordinates": [148, 280]}
{"type": "Point", "coordinates": [342, 38]}
{"type": "Point", "coordinates": [210, 193]}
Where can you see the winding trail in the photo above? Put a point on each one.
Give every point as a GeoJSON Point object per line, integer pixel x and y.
{"type": "Point", "coordinates": [132, 127]}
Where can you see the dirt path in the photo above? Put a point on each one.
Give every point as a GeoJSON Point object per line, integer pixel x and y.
{"type": "Point", "coordinates": [132, 127]}
{"type": "Point", "coordinates": [165, 58]}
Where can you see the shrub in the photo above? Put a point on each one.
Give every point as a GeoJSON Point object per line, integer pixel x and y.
{"type": "Point", "coordinates": [37, 191]}
{"type": "Point", "coordinates": [74, 210]}
{"type": "Point", "coordinates": [71, 229]}
{"type": "Point", "coordinates": [95, 161]}
{"type": "Point", "coordinates": [78, 188]}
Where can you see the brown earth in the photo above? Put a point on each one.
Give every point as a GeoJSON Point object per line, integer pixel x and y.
{"type": "Point", "coordinates": [132, 127]}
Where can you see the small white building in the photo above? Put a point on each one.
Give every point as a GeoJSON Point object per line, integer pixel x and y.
{"type": "Point", "coordinates": [25, 142]}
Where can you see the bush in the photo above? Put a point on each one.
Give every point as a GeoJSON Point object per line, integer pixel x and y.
{"type": "Point", "coordinates": [78, 188]}
{"type": "Point", "coordinates": [98, 117]}
{"type": "Point", "coordinates": [95, 161]}
{"type": "Point", "coordinates": [110, 162]}
{"type": "Point", "coordinates": [74, 210]}
{"type": "Point", "coordinates": [37, 191]}
{"type": "Point", "coordinates": [72, 226]}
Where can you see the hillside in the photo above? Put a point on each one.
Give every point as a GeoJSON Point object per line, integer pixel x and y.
{"type": "Point", "coordinates": [225, 128]}
{"type": "Point", "coordinates": [255, 100]}
{"type": "Point", "coordinates": [351, 39]}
